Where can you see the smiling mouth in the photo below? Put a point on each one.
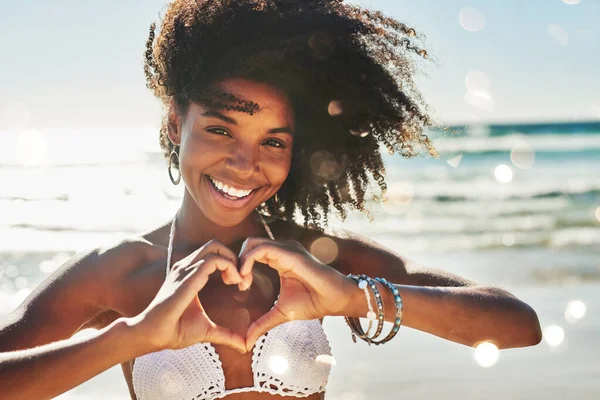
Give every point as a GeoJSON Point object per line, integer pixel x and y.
{"type": "Point", "coordinates": [228, 192]}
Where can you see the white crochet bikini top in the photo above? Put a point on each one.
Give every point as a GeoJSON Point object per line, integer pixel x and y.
{"type": "Point", "coordinates": [293, 359]}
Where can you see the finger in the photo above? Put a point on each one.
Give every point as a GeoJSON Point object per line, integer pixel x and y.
{"type": "Point", "coordinates": [249, 244]}
{"type": "Point", "coordinates": [267, 253]}
{"type": "Point", "coordinates": [200, 271]}
{"type": "Point", "coordinates": [220, 335]}
{"type": "Point", "coordinates": [212, 246]}
{"type": "Point", "coordinates": [229, 271]}
{"type": "Point", "coordinates": [262, 325]}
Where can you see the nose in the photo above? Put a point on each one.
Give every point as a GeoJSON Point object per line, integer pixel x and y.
{"type": "Point", "coordinates": [242, 162]}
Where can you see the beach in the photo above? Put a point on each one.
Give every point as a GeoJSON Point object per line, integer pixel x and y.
{"type": "Point", "coordinates": [513, 207]}
{"type": "Point", "coordinates": [422, 367]}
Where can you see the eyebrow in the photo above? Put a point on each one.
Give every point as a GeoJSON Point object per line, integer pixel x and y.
{"type": "Point", "coordinates": [229, 120]}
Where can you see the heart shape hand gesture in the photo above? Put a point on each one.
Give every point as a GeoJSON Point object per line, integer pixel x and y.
{"type": "Point", "coordinates": [308, 290]}
{"type": "Point", "coordinates": [175, 318]}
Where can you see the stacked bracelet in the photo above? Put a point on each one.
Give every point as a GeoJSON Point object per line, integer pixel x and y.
{"type": "Point", "coordinates": [379, 302]}
{"type": "Point", "coordinates": [354, 323]}
{"type": "Point", "coordinates": [362, 284]}
{"type": "Point", "coordinates": [399, 309]}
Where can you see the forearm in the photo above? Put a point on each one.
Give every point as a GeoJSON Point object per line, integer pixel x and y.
{"type": "Point", "coordinates": [46, 371]}
{"type": "Point", "coordinates": [466, 315]}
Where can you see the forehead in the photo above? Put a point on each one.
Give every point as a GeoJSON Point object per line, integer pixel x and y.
{"type": "Point", "coordinates": [268, 104]}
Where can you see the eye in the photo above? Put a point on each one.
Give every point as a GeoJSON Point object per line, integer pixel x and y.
{"type": "Point", "coordinates": [218, 131]}
{"type": "Point", "coordinates": [274, 143]}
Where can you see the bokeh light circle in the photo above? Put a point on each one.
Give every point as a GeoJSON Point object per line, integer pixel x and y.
{"type": "Point", "coordinates": [278, 365]}
{"type": "Point", "coordinates": [486, 354]}
{"type": "Point", "coordinates": [558, 33]}
{"type": "Point", "coordinates": [325, 359]}
{"type": "Point", "coordinates": [480, 99]}
{"type": "Point", "coordinates": [508, 239]}
{"type": "Point", "coordinates": [471, 19]}
{"type": "Point", "coordinates": [324, 165]}
{"type": "Point", "coordinates": [597, 214]}
{"type": "Point", "coordinates": [522, 156]}
{"type": "Point", "coordinates": [554, 335]}
{"type": "Point", "coordinates": [335, 108]}
{"type": "Point", "coordinates": [575, 311]}
{"type": "Point", "coordinates": [324, 249]}
{"type": "Point", "coordinates": [503, 173]}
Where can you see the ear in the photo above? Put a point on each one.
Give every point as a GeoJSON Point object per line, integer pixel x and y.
{"type": "Point", "coordinates": [174, 124]}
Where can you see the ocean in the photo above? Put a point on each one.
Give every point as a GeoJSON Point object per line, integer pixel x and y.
{"type": "Point", "coordinates": [516, 206]}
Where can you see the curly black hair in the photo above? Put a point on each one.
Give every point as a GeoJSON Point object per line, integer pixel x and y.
{"type": "Point", "coordinates": [348, 72]}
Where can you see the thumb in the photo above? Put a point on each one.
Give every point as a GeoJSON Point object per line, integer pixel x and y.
{"type": "Point", "coordinates": [264, 324]}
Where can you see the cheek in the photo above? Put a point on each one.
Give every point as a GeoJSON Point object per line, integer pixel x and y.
{"type": "Point", "coordinates": [280, 169]}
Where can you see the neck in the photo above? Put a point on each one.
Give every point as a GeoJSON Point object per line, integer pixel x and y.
{"type": "Point", "coordinates": [195, 229]}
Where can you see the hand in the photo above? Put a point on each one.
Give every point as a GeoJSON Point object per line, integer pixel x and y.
{"type": "Point", "coordinates": [309, 289]}
{"type": "Point", "coordinates": [175, 318]}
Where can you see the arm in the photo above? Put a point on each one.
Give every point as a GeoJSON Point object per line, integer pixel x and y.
{"type": "Point", "coordinates": [436, 301]}
{"type": "Point", "coordinates": [68, 300]}
{"type": "Point", "coordinates": [46, 371]}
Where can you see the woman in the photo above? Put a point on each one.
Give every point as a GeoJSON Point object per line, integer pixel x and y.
{"type": "Point", "coordinates": [275, 110]}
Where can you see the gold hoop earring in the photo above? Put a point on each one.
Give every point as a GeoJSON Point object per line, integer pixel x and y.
{"type": "Point", "coordinates": [170, 168]}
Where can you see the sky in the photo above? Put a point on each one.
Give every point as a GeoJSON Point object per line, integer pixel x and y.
{"type": "Point", "coordinates": [71, 63]}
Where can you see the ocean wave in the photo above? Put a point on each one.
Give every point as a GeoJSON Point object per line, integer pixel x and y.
{"type": "Point", "coordinates": [538, 143]}
{"type": "Point", "coordinates": [444, 191]}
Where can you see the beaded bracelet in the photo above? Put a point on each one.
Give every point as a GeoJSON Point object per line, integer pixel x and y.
{"type": "Point", "coordinates": [379, 301]}
{"type": "Point", "coordinates": [399, 310]}
{"type": "Point", "coordinates": [354, 323]}
{"type": "Point", "coordinates": [362, 284]}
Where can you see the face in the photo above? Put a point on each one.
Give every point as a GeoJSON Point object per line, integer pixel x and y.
{"type": "Point", "coordinates": [231, 161]}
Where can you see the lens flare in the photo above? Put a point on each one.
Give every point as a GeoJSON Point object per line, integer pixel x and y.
{"type": "Point", "coordinates": [278, 365]}
{"type": "Point", "coordinates": [359, 133]}
{"type": "Point", "coordinates": [324, 165]}
{"type": "Point", "coordinates": [325, 359]}
{"type": "Point", "coordinates": [455, 161]}
{"type": "Point", "coordinates": [480, 99]}
{"type": "Point", "coordinates": [522, 156]}
{"type": "Point", "coordinates": [558, 33]}
{"type": "Point", "coordinates": [398, 199]}
{"type": "Point", "coordinates": [471, 19]}
{"type": "Point", "coordinates": [477, 81]}
{"type": "Point", "coordinates": [554, 335]}
{"type": "Point", "coordinates": [486, 354]}
{"type": "Point", "coordinates": [571, 2]}
{"type": "Point", "coordinates": [324, 249]}
{"type": "Point", "coordinates": [21, 282]}
{"type": "Point", "coordinates": [508, 239]}
{"type": "Point", "coordinates": [575, 311]}
{"type": "Point", "coordinates": [503, 173]}
{"type": "Point", "coordinates": [335, 108]}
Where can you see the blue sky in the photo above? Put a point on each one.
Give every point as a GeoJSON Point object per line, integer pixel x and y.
{"type": "Point", "coordinates": [75, 63]}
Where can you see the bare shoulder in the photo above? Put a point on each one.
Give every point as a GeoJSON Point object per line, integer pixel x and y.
{"type": "Point", "coordinates": [357, 254]}
{"type": "Point", "coordinates": [73, 295]}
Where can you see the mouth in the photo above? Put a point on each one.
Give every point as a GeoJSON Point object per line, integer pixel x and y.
{"type": "Point", "coordinates": [229, 196]}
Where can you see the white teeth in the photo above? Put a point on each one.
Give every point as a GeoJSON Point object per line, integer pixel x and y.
{"type": "Point", "coordinates": [229, 190]}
